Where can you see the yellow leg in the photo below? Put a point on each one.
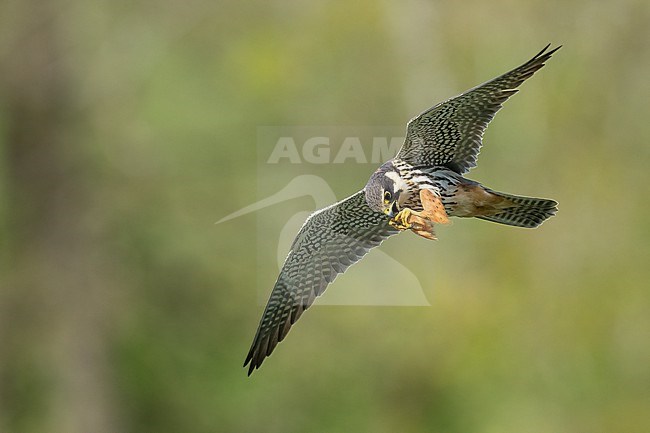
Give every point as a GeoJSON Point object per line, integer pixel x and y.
{"type": "Point", "coordinates": [422, 223]}
{"type": "Point", "coordinates": [401, 220]}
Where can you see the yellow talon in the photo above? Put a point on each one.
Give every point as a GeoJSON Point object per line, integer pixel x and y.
{"type": "Point", "coordinates": [401, 220]}
{"type": "Point", "coordinates": [397, 225]}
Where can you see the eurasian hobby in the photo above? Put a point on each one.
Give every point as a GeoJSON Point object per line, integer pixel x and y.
{"type": "Point", "coordinates": [422, 185]}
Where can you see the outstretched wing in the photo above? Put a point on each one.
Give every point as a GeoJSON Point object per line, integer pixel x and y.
{"type": "Point", "coordinates": [450, 133]}
{"type": "Point", "coordinates": [329, 242]}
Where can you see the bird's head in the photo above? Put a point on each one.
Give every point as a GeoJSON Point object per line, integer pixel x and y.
{"type": "Point", "coordinates": [384, 188]}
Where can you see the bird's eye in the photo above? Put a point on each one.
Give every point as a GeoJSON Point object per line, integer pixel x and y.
{"type": "Point", "coordinates": [387, 196]}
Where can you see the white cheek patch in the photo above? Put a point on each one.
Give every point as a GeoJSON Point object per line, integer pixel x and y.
{"type": "Point", "coordinates": [398, 182]}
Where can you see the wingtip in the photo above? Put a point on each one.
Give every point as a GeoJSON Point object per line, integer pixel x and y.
{"type": "Point", "coordinates": [255, 357]}
{"type": "Point", "coordinates": [553, 50]}
{"type": "Point", "coordinates": [549, 53]}
{"type": "Point", "coordinates": [251, 365]}
{"type": "Point", "coordinates": [249, 360]}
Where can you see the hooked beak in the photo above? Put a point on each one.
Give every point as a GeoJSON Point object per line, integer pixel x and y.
{"type": "Point", "coordinates": [392, 210]}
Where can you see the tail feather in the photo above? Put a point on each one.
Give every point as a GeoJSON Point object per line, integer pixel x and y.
{"type": "Point", "coordinates": [528, 212]}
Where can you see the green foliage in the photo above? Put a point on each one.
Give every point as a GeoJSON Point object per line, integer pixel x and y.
{"type": "Point", "coordinates": [127, 130]}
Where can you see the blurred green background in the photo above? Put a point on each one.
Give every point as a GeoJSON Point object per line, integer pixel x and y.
{"type": "Point", "coordinates": [127, 129]}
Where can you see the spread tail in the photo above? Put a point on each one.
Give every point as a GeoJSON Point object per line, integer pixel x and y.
{"type": "Point", "coordinates": [520, 211]}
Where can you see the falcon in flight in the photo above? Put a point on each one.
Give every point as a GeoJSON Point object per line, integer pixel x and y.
{"type": "Point", "coordinates": [420, 187]}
